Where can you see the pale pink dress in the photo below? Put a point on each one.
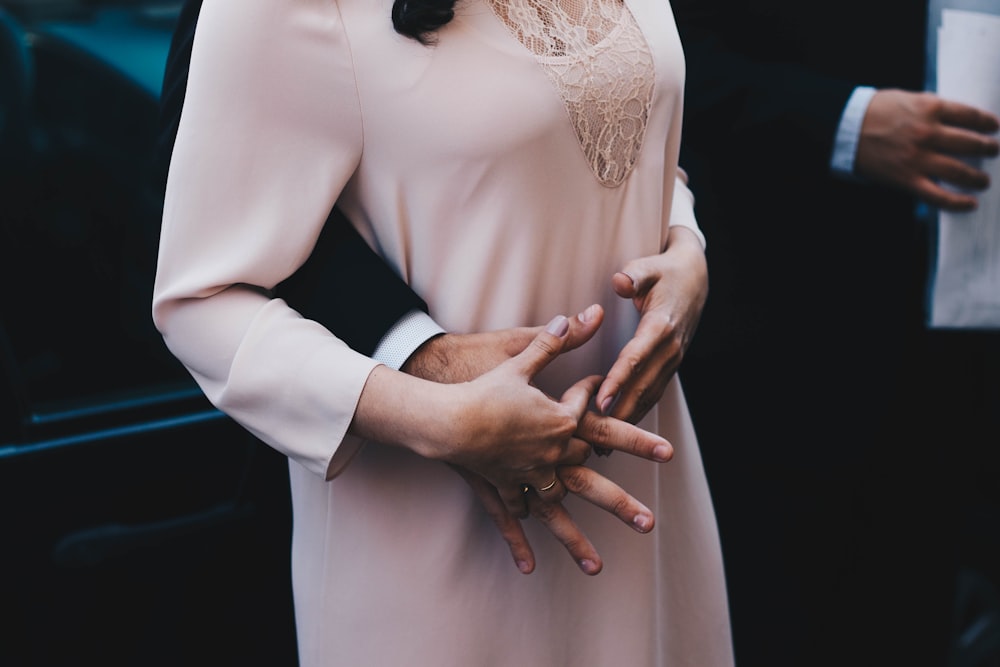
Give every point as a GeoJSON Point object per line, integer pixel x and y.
{"type": "Point", "coordinates": [481, 169]}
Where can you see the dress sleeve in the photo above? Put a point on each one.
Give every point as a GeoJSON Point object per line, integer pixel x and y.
{"type": "Point", "coordinates": [682, 206]}
{"type": "Point", "coordinates": [269, 134]}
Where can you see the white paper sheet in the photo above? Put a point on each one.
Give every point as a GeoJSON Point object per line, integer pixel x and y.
{"type": "Point", "coordinates": [965, 288]}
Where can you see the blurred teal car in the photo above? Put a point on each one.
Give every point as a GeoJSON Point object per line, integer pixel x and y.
{"type": "Point", "coordinates": [139, 526]}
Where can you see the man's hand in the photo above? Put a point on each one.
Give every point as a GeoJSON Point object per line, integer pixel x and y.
{"type": "Point", "coordinates": [669, 290]}
{"type": "Point", "coordinates": [918, 141]}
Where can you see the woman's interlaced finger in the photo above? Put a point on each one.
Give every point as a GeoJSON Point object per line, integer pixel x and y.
{"type": "Point", "coordinates": [576, 454]}
{"type": "Point", "coordinates": [543, 483]}
{"type": "Point", "coordinates": [602, 492]}
{"type": "Point", "coordinates": [577, 397]}
{"type": "Point", "coordinates": [559, 522]}
{"type": "Point", "coordinates": [548, 489]}
{"type": "Point", "coordinates": [515, 499]}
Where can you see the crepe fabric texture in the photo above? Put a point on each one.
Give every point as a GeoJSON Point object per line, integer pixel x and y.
{"type": "Point", "coordinates": [506, 181]}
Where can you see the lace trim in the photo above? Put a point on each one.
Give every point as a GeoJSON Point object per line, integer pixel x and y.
{"type": "Point", "coordinates": [606, 84]}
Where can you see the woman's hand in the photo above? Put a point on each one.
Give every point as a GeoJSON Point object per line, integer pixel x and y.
{"type": "Point", "coordinates": [581, 480]}
{"type": "Point", "coordinates": [513, 434]}
{"type": "Point", "coordinates": [502, 433]}
{"type": "Point", "coordinates": [454, 358]}
{"type": "Point", "coordinates": [669, 290]}
{"type": "Point", "coordinates": [487, 469]}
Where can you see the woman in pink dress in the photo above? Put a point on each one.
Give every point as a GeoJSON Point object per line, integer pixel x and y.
{"type": "Point", "coordinates": [518, 159]}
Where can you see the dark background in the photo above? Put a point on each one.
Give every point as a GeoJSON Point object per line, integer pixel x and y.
{"type": "Point", "coordinates": [139, 526]}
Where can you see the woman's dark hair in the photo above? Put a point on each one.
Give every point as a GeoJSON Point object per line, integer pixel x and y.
{"type": "Point", "coordinates": [420, 18]}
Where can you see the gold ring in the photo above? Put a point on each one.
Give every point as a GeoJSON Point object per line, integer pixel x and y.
{"type": "Point", "coordinates": [549, 485]}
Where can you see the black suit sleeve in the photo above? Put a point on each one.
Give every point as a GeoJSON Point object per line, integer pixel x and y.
{"type": "Point", "coordinates": [747, 90]}
{"type": "Point", "coordinates": [344, 285]}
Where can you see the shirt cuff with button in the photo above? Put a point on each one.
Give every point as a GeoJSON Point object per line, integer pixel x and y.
{"type": "Point", "coordinates": [410, 332]}
{"type": "Point", "coordinates": [845, 146]}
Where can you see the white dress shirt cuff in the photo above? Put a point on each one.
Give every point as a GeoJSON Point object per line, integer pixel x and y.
{"type": "Point", "coordinates": [845, 146]}
{"type": "Point", "coordinates": [410, 332]}
{"type": "Point", "coordinates": [682, 207]}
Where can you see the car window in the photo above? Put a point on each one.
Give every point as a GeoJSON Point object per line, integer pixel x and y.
{"type": "Point", "coordinates": [81, 198]}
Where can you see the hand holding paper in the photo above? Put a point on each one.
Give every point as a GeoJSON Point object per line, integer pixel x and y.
{"type": "Point", "coordinates": [966, 286]}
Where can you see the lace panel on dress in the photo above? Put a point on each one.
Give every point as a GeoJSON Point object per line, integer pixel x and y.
{"type": "Point", "coordinates": [596, 55]}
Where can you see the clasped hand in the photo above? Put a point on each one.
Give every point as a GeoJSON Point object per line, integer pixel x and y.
{"type": "Point", "coordinates": [669, 290]}
{"type": "Point", "coordinates": [513, 435]}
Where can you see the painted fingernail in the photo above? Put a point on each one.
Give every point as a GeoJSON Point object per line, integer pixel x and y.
{"type": "Point", "coordinates": [630, 278]}
{"type": "Point", "coordinates": [524, 566]}
{"type": "Point", "coordinates": [588, 566]}
{"type": "Point", "coordinates": [588, 315]}
{"type": "Point", "coordinates": [558, 326]}
{"type": "Point", "coordinates": [643, 522]}
{"type": "Point", "coordinates": [662, 453]}
{"type": "Point", "coordinates": [606, 404]}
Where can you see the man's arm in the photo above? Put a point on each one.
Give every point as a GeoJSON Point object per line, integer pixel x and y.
{"type": "Point", "coordinates": [349, 289]}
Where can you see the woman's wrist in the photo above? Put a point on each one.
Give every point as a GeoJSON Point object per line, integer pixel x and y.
{"type": "Point", "coordinates": [398, 409]}
{"type": "Point", "coordinates": [681, 236]}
